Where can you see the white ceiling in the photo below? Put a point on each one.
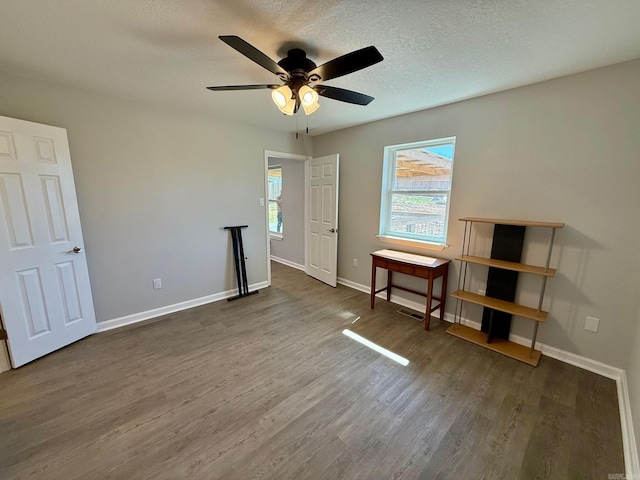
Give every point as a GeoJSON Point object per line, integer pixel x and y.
{"type": "Point", "coordinates": [436, 51]}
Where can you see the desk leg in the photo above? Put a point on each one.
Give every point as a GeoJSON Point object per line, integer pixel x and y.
{"type": "Point", "coordinates": [373, 284]}
{"type": "Point", "coordinates": [443, 294]}
{"type": "Point", "coordinates": [389, 272]}
{"type": "Point", "coordinates": [427, 317]}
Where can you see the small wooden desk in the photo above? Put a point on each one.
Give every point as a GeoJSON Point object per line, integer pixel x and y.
{"type": "Point", "coordinates": [429, 268]}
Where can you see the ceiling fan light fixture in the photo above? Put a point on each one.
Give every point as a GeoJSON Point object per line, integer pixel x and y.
{"type": "Point", "coordinates": [311, 109]}
{"type": "Point", "coordinates": [288, 109]}
{"type": "Point", "coordinates": [308, 96]}
{"type": "Point", "coordinates": [284, 100]}
{"type": "Point", "coordinates": [308, 99]}
{"type": "Point", "coordinates": [281, 96]}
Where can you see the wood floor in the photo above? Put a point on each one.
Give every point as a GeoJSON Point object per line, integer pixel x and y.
{"type": "Point", "coordinates": [268, 387]}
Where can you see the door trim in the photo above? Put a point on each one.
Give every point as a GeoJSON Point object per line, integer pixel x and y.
{"type": "Point", "coordinates": [291, 156]}
{"type": "Point", "coordinates": [5, 362]}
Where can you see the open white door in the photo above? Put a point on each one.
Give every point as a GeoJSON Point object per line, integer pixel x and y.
{"type": "Point", "coordinates": [322, 219]}
{"type": "Point", "coordinates": [45, 296]}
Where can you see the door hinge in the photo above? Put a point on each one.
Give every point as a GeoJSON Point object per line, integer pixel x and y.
{"type": "Point", "coordinates": [3, 334]}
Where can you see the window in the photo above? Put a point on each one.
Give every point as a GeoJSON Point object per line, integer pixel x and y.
{"type": "Point", "coordinates": [274, 182]}
{"type": "Point", "coordinates": [416, 187]}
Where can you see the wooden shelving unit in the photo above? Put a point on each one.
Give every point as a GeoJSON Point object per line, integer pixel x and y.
{"type": "Point", "coordinates": [485, 339]}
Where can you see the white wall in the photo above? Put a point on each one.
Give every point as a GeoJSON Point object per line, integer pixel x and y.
{"type": "Point", "coordinates": [566, 150]}
{"type": "Point", "coordinates": [155, 188]}
{"type": "Point", "coordinates": [291, 246]}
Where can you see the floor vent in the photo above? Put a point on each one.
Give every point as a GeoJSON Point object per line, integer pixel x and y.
{"type": "Point", "coordinates": [410, 313]}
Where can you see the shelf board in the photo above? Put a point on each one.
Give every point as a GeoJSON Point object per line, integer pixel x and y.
{"type": "Point", "coordinates": [520, 223]}
{"type": "Point", "coordinates": [501, 305]}
{"type": "Point", "coordinates": [499, 345]}
{"type": "Point", "coordinates": [516, 267]}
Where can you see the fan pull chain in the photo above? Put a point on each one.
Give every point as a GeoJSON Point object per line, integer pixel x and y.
{"type": "Point", "coordinates": [307, 117]}
{"type": "Point", "coordinates": [296, 127]}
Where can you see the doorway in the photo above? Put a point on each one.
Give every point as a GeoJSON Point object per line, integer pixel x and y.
{"type": "Point", "coordinates": [284, 178]}
{"type": "Point", "coordinates": [312, 187]}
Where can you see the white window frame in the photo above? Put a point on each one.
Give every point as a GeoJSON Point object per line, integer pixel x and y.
{"type": "Point", "coordinates": [388, 180]}
{"type": "Point", "coordinates": [274, 235]}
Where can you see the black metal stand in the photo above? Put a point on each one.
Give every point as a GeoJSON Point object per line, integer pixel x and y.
{"type": "Point", "coordinates": [238, 256]}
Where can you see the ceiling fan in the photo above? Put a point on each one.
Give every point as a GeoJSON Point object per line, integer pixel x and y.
{"type": "Point", "coordinates": [300, 76]}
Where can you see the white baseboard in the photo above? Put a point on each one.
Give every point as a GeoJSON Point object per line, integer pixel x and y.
{"type": "Point", "coordinates": [158, 312]}
{"type": "Point", "coordinates": [632, 465]}
{"type": "Point", "coordinates": [288, 263]}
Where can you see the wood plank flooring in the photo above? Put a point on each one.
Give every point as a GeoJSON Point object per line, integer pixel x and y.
{"type": "Point", "coordinates": [268, 387]}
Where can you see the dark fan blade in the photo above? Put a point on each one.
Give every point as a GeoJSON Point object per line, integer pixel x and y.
{"type": "Point", "coordinates": [343, 95]}
{"type": "Point", "coordinates": [244, 87]}
{"type": "Point", "coordinates": [252, 53]}
{"type": "Point", "coordinates": [349, 63]}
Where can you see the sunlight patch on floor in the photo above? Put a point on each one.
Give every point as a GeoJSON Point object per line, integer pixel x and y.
{"type": "Point", "coordinates": [367, 343]}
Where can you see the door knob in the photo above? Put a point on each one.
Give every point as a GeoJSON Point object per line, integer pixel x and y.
{"type": "Point", "coordinates": [75, 249]}
{"type": "Point", "coordinates": [332, 230]}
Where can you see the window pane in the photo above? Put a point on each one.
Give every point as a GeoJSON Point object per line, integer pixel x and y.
{"type": "Point", "coordinates": [427, 168]}
{"type": "Point", "coordinates": [419, 214]}
{"type": "Point", "coordinates": [274, 182]}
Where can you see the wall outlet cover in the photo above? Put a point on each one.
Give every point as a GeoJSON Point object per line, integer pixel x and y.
{"type": "Point", "coordinates": [591, 324]}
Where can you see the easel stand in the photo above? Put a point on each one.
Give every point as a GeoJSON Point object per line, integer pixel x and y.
{"type": "Point", "coordinates": [238, 256]}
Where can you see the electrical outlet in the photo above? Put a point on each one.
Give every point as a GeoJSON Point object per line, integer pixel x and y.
{"type": "Point", "coordinates": [591, 324]}
{"type": "Point", "coordinates": [355, 262]}
{"type": "Point", "coordinates": [482, 292]}
{"type": "Point", "coordinates": [261, 202]}
{"type": "Point", "coordinates": [157, 283]}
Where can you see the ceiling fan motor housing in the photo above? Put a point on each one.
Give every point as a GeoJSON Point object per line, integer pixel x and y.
{"type": "Point", "coordinates": [296, 62]}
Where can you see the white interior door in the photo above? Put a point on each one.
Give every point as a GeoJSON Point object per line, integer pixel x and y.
{"type": "Point", "coordinates": [322, 218]}
{"type": "Point", "coordinates": [45, 296]}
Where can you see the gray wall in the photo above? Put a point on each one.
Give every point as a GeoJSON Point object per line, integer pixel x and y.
{"type": "Point", "coordinates": [566, 150]}
{"type": "Point", "coordinates": [291, 247]}
{"type": "Point", "coordinates": [155, 187]}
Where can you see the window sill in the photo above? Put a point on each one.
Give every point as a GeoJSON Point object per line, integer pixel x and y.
{"type": "Point", "coordinates": [412, 243]}
{"type": "Point", "coordinates": [276, 236]}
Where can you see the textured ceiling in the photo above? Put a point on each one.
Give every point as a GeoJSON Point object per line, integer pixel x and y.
{"type": "Point", "coordinates": [436, 52]}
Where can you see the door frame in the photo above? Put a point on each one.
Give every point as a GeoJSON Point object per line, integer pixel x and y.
{"type": "Point", "coordinates": [5, 362]}
{"type": "Point", "coordinates": [290, 156]}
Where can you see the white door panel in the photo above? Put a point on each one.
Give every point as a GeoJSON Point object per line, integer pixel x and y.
{"type": "Point", "coordinates": [45, 295]}
{"type": "Point", "coordinates": [322, 223]}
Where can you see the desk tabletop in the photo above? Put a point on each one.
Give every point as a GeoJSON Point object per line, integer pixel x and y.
{"type": "Point", "coordinates": [410, 258]}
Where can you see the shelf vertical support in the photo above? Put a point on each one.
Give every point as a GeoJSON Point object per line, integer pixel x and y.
{"type": "Point", "coordinates": [458, 302]}
{"type": "Point", "coordinates": [533, 339]}
{"type": "Point", "coordinates": [546, 269]}
{"type": "Point", "coordinates": [553, 234]}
